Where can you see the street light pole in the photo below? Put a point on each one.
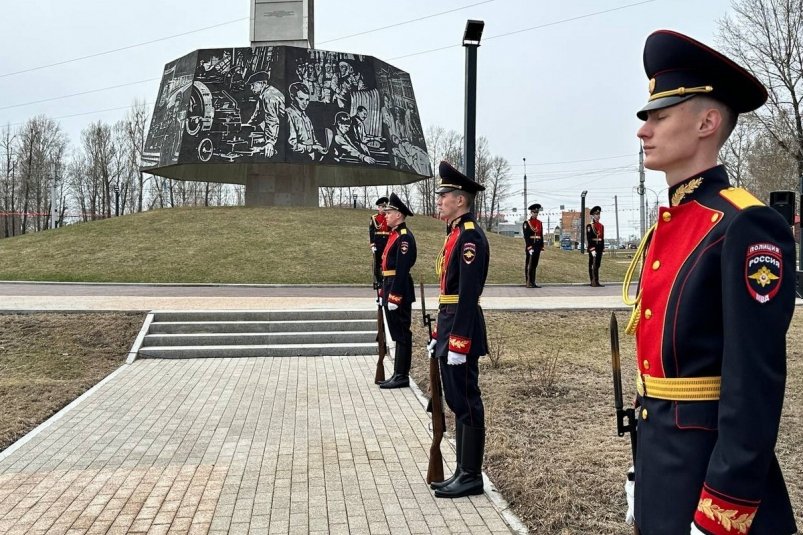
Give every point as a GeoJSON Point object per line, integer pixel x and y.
{"type": "Point", "coordinates": [53, 208]}
{"type": "Point", "coordinates": [525, 185]}
{"type": "Point", "coordinates": [642, 216]}
{"type": "Point", "coordinates": [583, 220]}
{"type": "Point", "coordinates": [117, 200]}
{"type": "Point", "coordinates": [471, 41]}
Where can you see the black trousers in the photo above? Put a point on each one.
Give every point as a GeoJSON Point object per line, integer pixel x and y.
{"type": "Point", "coordinates": [461, 389]}
{"type": "Point", "coordinates": [531, 264]}
{"type": "Point", "coordinates": [399, 321]}
{"type": "Point", "coordinates": [594, 263]}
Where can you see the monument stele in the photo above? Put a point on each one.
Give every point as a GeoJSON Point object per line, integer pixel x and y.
{"type": "Point", "coordinates": [283, 118]}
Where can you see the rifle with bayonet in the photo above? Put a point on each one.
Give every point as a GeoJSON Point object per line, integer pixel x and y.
{"type": "Point", "coordinates": [435, 469]}
{"type": "Point", "coordinates": [381, 342]}
{"type": "Point", "coordinates": [625, 418]}
{"type": "Point", "coordinates": [379, 376]}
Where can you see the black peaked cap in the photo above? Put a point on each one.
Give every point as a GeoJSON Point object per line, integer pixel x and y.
{"type": "Point", "coordinates": [396, 204]}
{"type": "Point", "coordinates": [680, 68]}
{"type": "Point", "coordinates": [452, 179]}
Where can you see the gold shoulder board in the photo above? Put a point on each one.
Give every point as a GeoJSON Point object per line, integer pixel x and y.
{"type": "Point", "coordinates": [469, 225]}
{"type": "Point", "coordinates": [403, 231]}
{"type": "Point", "coordinates": [740, 198]}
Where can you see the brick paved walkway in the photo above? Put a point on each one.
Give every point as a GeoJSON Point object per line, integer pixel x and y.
{"type": "Point", "coordinates": [252, 445]}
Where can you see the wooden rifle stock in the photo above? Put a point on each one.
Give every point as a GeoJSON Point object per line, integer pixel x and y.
{"type": "Point", "coordinates": [625, 418]}
{"type": "Point", "coordinates": [381, 343]}
{"type": "Point", "coordinates": [435, 469]}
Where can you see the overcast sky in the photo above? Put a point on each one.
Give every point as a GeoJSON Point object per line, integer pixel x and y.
{"type": "Point", "coordinates": [559, 82]}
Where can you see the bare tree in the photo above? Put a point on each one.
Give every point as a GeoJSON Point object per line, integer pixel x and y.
{"type": "Point", "coordinates": [442, 145]}
{"type": "Point", "coordinates": [766, 36]}
{"type": "Point", "coordinates": [497, 188]}
{"type": "Point", "coordinates": [39, 157]}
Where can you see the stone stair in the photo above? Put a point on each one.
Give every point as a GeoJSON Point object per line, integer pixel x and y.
{"type": "Point", "coordinates": [252, 333]}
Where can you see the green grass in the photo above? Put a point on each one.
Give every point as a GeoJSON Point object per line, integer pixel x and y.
{"type": "Point", "coordinates": [254, 245]}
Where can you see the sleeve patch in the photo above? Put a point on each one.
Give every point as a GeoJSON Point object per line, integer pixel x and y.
{"type": "Point", "coordinates": [719, 516]}
{"type": "Point", "coordinates": [763, 271]}
{"type": "Point", "coordinates": [469, 252]}
{"type": "Point", "coordinates": [458, 344]}
{"type": "Point", "coordinates": [404, 247]}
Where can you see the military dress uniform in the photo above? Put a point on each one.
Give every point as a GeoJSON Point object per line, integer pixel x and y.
{"type": "Point", "coordinates": [398, 259]}
{"type": "Point", "coordinates": [595, 236]}
{"type": "Point", "coordinates": [378, 233]}
{"type": "Point", "coordinates": [714, 303]}
{"type": "Point", "coordinates": [533, 232]}
{"type": "Point", "coordinates": [462, 267]}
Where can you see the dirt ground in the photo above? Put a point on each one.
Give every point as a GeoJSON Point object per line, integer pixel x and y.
{"type": "Point", "coordinates": [48, 360]}
{"type": "Point", "coordinates": [552, 449]}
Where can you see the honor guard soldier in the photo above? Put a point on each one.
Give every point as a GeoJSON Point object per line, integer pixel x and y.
{"type": "Point", "coordinates": [378, 233]}
{"type": "Point", "coordinates": [397, 289]}
{"type": "Point", "coordinates": [715, 300]}
{"type": "Point", "coordinates": [533, 231]}
{"type": "Point", "coordinates": [460, 338]}
{"type": "Point", "coordinates": [595, 234]}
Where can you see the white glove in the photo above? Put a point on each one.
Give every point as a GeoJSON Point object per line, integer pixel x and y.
{"type": "Point", "coordinates": [695, 530]}
{"type": "Point", "coordinates": [392, 306]}
{"type": "Point", "coordinates": [630, 491]}
{"type": "Point", "coordinates": [373, 248]}
{"type": "Point", "coordinates": [530, 251]}
{"type": "Point", "coordinates": [455, 359]}
{"type": "Point", "coordinates": [593, 252]}
{"type": "Point", "coordinates": [431, 347]}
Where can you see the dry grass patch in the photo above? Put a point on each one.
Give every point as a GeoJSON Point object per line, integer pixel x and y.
{"type": "Point", "coordinates": [552, 447]}
{"type": "Point", "coordinates": [47, 360]}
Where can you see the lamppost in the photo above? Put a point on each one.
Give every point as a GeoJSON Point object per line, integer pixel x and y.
{"type": "Point", "coordinates": [583, 221]}
{"type": "Point", "coordinates": [471, 41]}
{"type": "Point", "coordinates": [53, 207]}
{"type": "Point", "coordinates": [354, 197]}
{"type": "Point", "coordinates": [116, 200]}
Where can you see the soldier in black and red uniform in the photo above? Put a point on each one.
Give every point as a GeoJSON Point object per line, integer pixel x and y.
{"type": "Point", "coordinates": [460, 337]}
{"type": "Point", "coordinates": [595, 235]}
{"type": "Point", "coordinates": [378, 233]}
{"type": "Point", "coordinates": [710, 318]}
{"type": "Point", "coordinates": [398, 292]}
{"type": "Point", "coordinates": [533, 231]}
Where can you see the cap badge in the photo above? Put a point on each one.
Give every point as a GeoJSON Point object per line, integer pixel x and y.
{"type": "Point", "coordinates": [652, 85]}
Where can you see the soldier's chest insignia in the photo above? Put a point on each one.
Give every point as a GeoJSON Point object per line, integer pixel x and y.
{"type": "Point", "coordinates": [469, 252]}
{"type": "Point", "coordinates": [763, 271]}
{"type": "Point", "coordinates": [405, 247]}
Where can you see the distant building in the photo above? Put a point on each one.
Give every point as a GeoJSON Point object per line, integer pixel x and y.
{"type": "Point", "coordinates": [570, 224]}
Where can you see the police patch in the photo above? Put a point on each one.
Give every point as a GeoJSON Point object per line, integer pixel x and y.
{"type": "Point", "coordinates": [469, 252]}
{"type": "Point", "coordinates": [763, 271]}
{"type": "Point", "coordinates": [405, 247]}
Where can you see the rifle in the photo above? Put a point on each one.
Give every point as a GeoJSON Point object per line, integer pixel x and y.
{"type": "Point", "coordinates": [435, 469]}
{"type": "Point", "coordinates": [381, 342]}
{"type": "Point", "coordinates": [622, 414]}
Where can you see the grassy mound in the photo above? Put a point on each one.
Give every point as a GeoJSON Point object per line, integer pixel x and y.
{"type": "Point", "coordinates": [255, 245]}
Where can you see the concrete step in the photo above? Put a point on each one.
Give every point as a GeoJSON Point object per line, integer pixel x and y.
{"type": "Point", "coordinates": [276, 326]}
{"type": "Point", "coordinates": [282, 350]}
{"type": "Point", "coordinates": [263, 315]}
{"type": "Point", "coordinates": [257, 339]}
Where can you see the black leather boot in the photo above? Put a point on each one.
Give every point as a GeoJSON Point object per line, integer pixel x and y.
{"type": "Point", "coordinates": [401, 366]}
{"type": "Point", "coordinates": [469, 482]}
{"type": "Point", "coordinates": [458, 451]}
